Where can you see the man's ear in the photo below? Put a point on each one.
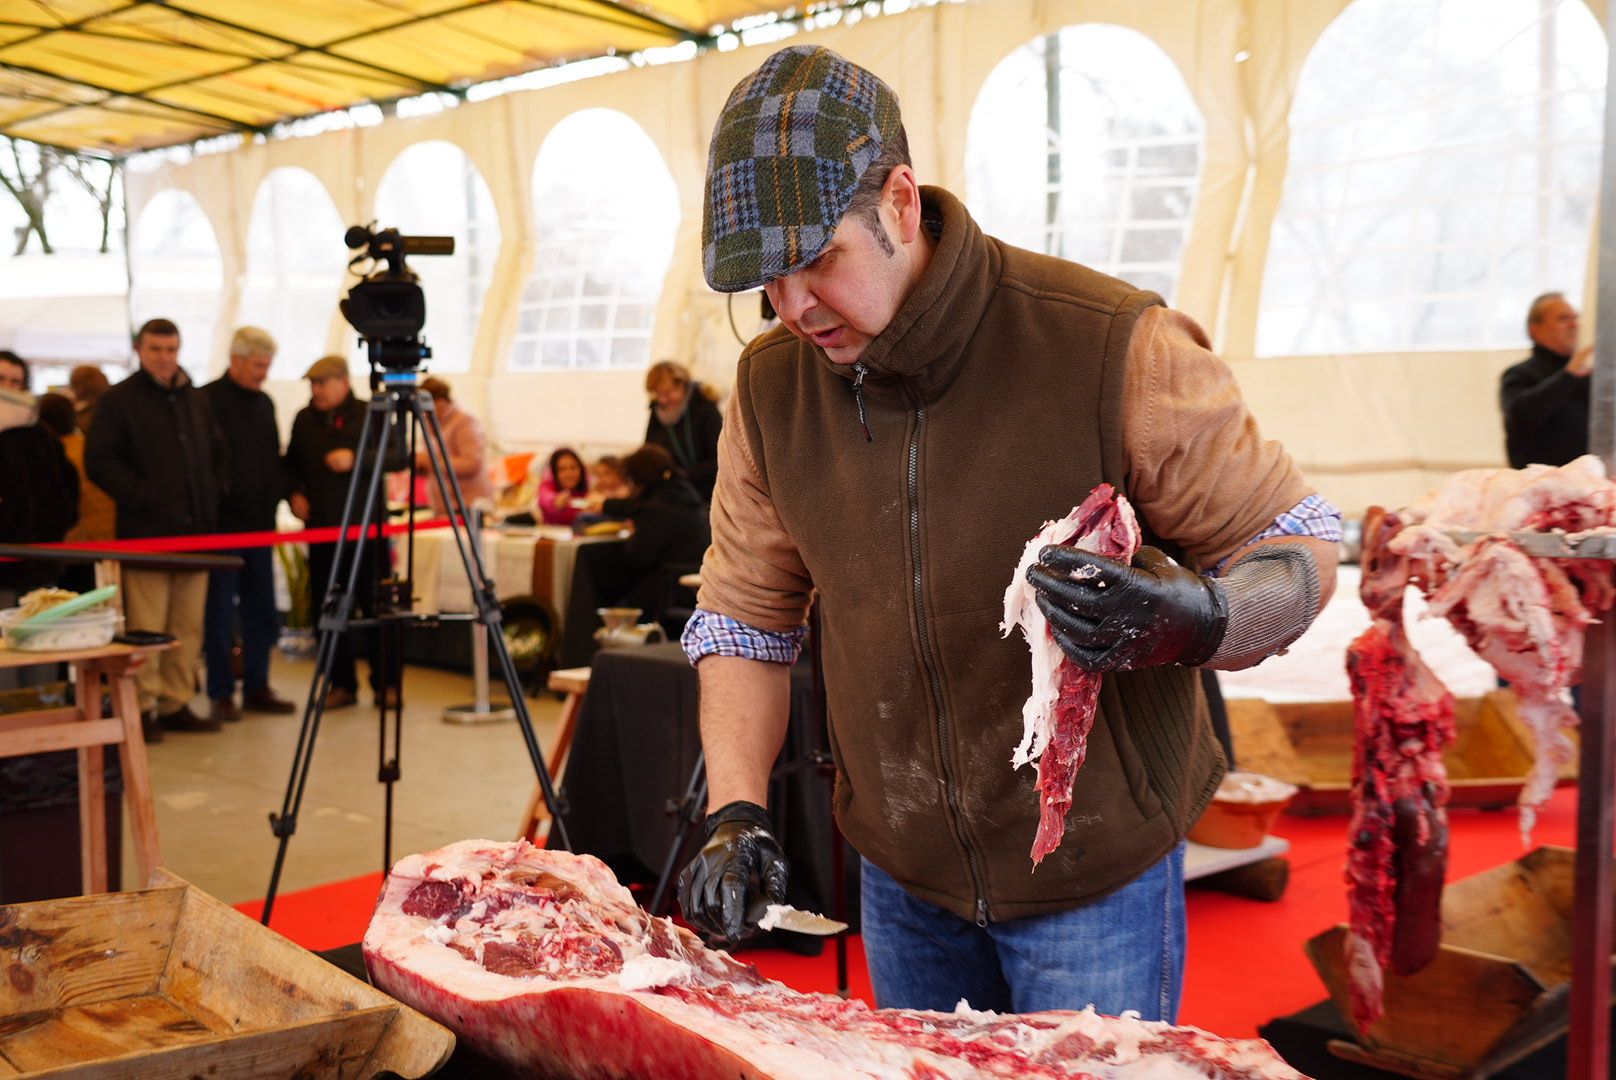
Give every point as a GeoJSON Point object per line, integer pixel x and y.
{"type": "Point", "coordinates": [902, 193]}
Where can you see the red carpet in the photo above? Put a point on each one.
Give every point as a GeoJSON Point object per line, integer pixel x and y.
{"type": "Point", "coordinates": [1246, 963]}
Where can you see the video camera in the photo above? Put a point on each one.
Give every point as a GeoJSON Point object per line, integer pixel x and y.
{"type": "Point", "coordinates": [388, 307]}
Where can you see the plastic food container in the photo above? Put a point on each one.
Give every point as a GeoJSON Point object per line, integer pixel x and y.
{"type": "Point", "coordinates": [86, 630]}
{"type": "Point", "coordinates": [1243, 810]}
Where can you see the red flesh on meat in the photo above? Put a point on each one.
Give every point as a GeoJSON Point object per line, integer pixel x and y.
{"type": "Point", "coordinates": [1397, 851]}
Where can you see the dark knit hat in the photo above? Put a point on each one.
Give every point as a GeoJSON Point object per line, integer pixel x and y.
{"type": "Point", "coordinates": [787, 152]}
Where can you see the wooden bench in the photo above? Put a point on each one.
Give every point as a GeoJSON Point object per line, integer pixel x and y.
{"type": "Point", "coordinates": [84, 728]}
{"type": "Point", "coordinates": [573, 682]}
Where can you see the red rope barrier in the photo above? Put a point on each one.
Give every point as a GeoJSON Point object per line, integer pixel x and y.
{"type": "Point", "coordinates": [234, 541]}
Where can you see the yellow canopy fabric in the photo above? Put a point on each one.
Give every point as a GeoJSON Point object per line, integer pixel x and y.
{"type": "Point", "coordinates": [116, 76]}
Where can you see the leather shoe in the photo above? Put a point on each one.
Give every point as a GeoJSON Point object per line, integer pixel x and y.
{"type": "Point", "coordinates": [265, 700]}
{"type": "Point", "coordinates": [183, 719]}
{"type": "Point", "coordinates": [338, 698]}
{"type": "Point", "coordinates": [149, 730]}
{"type": "Point", "coordinates": [224, 710]}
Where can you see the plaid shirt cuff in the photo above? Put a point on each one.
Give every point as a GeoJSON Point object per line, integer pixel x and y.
{"type": "Point", "coordinates": [1314, 516]}
{"type": "Point", "coordinates": [711, 634]}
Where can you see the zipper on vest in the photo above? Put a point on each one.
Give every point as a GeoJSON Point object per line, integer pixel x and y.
{"type": "Point", "coordinates": [934, 680]}
{"type": "Point", "coordinates": [860, 371]}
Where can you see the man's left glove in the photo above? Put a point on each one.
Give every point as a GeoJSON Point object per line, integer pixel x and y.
{"type": "Point", "coordinates": [1107, 616]}
{"type": "Point", "coordinates": [740, 857]}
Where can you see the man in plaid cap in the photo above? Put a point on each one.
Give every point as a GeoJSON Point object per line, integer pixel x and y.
{"type": "Point", "coordinates": [932, 396]}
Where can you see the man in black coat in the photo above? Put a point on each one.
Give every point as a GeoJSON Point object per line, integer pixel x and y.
{"type": "Point", "coordinates": [1545, 397]}
{"type": "Point", "coordinates": [685, 421]}
{"type": "Point", "coordinates": [257, 483]}
{"type": "Point", "coordinates": [156, 450]}
{"type": "Point", "coordinates": [321, 457]}
{"type": "Point", "coordinates": [39, 498]}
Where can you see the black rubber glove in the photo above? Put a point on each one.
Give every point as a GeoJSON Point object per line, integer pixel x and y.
{"type": "Point", "coordinates": [1107, 616]}
{"type": "Point", "coordinates": [740, 858]}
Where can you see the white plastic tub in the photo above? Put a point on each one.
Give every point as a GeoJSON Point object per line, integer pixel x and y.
{"type": "Point", "coordinates": [86, 630]}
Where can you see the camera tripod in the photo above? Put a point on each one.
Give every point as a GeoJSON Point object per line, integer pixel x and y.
{"type": "Point", "coordinates": [396, 401]}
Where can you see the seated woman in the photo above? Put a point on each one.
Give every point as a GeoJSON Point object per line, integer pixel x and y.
{"type": "Point", "coordinates": [564, 491]}
{"type": "Point", "coordinates": [670, 536]}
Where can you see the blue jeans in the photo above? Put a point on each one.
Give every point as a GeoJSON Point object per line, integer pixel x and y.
{"type": "Point", "coordinates": [254, 584]}
{"type": "Point", "coordinates": [1122, 951]}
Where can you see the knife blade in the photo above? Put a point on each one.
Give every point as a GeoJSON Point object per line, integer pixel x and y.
{"type": "Point", "coordinates": [769, 916]}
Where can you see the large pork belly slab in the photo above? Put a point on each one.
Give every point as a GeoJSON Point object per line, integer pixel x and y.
{"type": "Point", "coordinates": [542, 961]}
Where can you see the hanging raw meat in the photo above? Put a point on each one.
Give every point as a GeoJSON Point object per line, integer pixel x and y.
{"type": "Point", "coordinates": [1403, 720]}
{"type": "Point", "coordinates": [1523, 615]}
{"type": "Point", "coordinates": [1060, 713]}
{"type": "Point", "coordinates": [540, 960]}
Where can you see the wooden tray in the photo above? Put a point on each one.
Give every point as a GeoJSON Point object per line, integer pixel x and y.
{"type": "Point", "coordinates": [1309, 744]}
{"type": "Point", "coordinates": [172, 983]}
{"type": "Point", "coordinates": [1498, 989]}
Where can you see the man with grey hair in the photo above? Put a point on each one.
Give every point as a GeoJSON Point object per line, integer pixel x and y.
{"type": "Point", "coordinates": [1544, 398]}
{"type": "Point", "coordinates": [257, 483]}
{"type": "Point", "coordinates": [932, 396]}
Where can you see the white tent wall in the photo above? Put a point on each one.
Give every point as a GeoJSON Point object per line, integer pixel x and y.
{"type": "Point", "coordinates": [1367, 428]}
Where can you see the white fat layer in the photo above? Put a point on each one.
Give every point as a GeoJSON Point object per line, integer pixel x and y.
{"type": "Point", "coordinates": [1021, 609]}
{"type": "Point", "coordinates": [647, 972]}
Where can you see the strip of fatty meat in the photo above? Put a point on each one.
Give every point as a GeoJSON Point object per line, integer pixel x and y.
{"type": "Point", "coordinates": [1526, 617]}
{"type": "Point", "coordinates": [1398, 850]}
{"type": "Point", "coordinates": [542, 962]}
{"type": "Point", "coordinates": [1057, 718]}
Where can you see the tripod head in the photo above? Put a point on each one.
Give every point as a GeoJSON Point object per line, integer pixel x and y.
{"type": "Point", "coordinates": [387, 307]}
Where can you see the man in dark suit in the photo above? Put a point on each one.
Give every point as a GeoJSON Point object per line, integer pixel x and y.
{"type": "Point", "coordinates": [1545, 396]}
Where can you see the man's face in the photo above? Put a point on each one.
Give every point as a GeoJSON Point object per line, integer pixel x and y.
{"type": "Point", "coordinates": [159, 355]}
{"type": "Point", "coordinates": [11, 376]}
{"type": "Point", "coordinates": [1556, 327]}
{"type": "Point", "coordinates": [250, 371]}
{"type": "Point", "coordinates": [842, 300]}
{"type": "Point", "coordinates": [670, 394]}
{"type": "Point", "coordinates": [326, 394]}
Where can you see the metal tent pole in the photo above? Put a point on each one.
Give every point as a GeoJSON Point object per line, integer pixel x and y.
{"type": "Point", "coordinates": [1589, 1057]}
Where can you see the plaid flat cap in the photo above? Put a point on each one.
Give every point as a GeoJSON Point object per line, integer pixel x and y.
{"type": "Point", "coordinates": [787, 152]}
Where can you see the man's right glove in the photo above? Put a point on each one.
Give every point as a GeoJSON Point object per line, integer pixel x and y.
{"type": "Point", "coordinates": [740, 857]}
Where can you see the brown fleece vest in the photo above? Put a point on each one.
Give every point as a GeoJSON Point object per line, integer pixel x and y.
{"type": "Point", "coordinates": [994, 402]}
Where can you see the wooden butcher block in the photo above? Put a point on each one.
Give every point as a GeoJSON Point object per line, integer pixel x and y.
{"type": "Point", "coordinates": [171, 983]}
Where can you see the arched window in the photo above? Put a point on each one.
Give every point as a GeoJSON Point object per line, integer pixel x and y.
{"type": "Point", "coordinates": [1086, 144]}
{"type": "Point", "coordinates": [433, 189]}
{"type": "Point", "coordinates": [1443, 170]}
{"type": "Point", "coordinates": [176, 273]}
{"type": "Point", "coordinates": [296, 262]}
{"type": "Point", "coordinates": [606, 212]}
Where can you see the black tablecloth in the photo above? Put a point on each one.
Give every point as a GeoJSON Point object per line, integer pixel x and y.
{"type": "Point", "coordinates": [636, 744]}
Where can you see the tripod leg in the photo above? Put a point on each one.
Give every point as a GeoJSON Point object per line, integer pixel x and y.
{"type": "Point", "coordinates": [488, 611]}
{"type": "Point", "coordinates": [692, 805]}
{"type": "Point", "coordinates": [335, 615]}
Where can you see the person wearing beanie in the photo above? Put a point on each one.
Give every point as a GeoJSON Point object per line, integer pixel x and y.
{"type": "Point", "coordinates": [861, 466]}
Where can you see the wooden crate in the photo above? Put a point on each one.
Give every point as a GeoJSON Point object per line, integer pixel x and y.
{"type": "Point", "coordinates": [1499, 986]}
{"type": "Point", "coordinates": [171, 983]}
{"type": "Point", "coordinates": [1309, 744]}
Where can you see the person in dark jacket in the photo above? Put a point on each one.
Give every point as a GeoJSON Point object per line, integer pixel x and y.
{"type": "Point", "coordinates": [321, 457]}
{"type": "Point", "coordinates": [685, 421]}
{"type": "Point", "coordinates": [156, 449]}
{"type": "Point", "coordinates": [39, 488]}
{"type": "Point", "coordinates": [39, 496]}
{"type": "Point", "coordinates": [257, 483]}
{"type": "Point", "coordinates": [1545, 397]}
{"type": "Point", "coordinates": [670, 533]}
